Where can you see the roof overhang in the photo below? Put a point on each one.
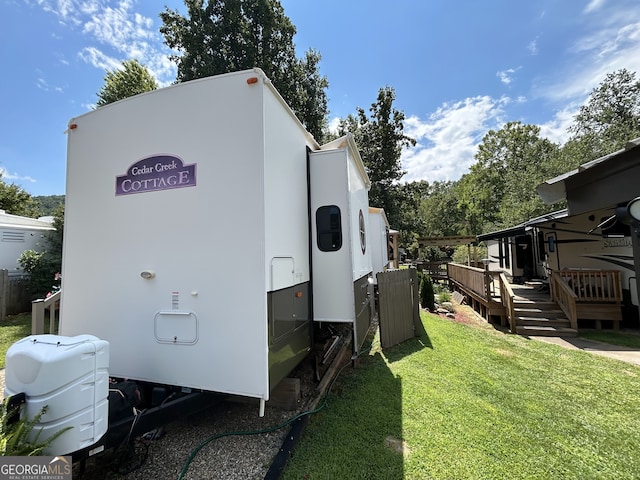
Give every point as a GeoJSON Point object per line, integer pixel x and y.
{"type": "Point", "coordinates": [445, 241]}
{"type": "Point", "coordinates": [603, 182]}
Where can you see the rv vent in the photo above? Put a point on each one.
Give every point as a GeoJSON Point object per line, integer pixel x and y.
{"type": "Point", "coordinates": [13, 237]}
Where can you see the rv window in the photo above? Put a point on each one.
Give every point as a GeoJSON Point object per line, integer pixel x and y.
{"type": "Point", "coordinates": [329, 228]}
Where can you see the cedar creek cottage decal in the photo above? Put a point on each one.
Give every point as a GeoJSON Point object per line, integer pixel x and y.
{"type": "Point", "coordinates": [158, 172]}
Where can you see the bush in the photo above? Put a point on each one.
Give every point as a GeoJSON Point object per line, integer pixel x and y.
{"type": "Point", "coordinates": [444, 296]}
{"type": "Point", "coordinates": [14, 434]}
{"type": "Point", "coordinates": [427, 299]}
{"type": "Point", "coordinates": [44, 267]}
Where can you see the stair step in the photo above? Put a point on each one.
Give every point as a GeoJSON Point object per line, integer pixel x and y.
{"type": "Point", "coordinates": [543, 321]}
{"type": "Point", "coordinates": [548, 331]}
{"type": "Point", "coordinates": [539, 312]}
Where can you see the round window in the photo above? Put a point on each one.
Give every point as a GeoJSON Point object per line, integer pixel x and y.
{"type": "Point", "coordinates": [363, 238]}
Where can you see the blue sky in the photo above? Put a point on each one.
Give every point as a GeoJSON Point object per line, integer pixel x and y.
{"type": "Point", "coordinates": [458, 68]}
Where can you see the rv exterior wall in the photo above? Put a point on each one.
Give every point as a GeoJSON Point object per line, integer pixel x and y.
{"type": "Point", "coordinates": [333, 299]}
{"type": "Point", "coordinates": [207, 243]}
{"type": "Point", "coordinates": [378, 241]}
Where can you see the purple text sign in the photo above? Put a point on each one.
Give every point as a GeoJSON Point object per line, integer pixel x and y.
{"type": "Point", "coordinates": [158, 172]}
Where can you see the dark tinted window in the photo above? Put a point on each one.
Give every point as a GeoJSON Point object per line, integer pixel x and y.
{"type": "Point", "coordinates": [329, 228]}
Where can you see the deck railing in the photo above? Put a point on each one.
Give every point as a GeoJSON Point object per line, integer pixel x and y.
{"type": "Point", "coordinates": [475, 279]}
{"type": "Point", "coordinates": [38, 309]}
{"type": "Point", "coordinates": [565, 297]}
{"type": "Point", "coordinates": [507, 296]}
{"type": "Point", "coordinates": [596, 286]}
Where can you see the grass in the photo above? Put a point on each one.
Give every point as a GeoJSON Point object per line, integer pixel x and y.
{"type": "Point", "coordinates": [614, 338]}
{"type": "Point", "coordinates": [471, 402]}
{"type": "Point", "coordinates": [14, 328]}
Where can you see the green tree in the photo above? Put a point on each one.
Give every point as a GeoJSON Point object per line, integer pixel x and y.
{"type": "Point", "coordinates": [441, 212]}
{"type": "Point", "coordinates": [380, 139]}
{"type": "Point", "coordinates": [610, 118]}
{"type": "Point", "coordinates": [406, 215]}
{"type": "Point", "coordinates": [132, 79]}
{"type": "Point", "coordinates": [499, 190]}
{"type": "Point", "coordinates": [44, 267]}
{"type": "Point", "coordinates": [48, 204]}
{"type": "Point", "coordinates": [222, 36]}
{"type": "Point", "coordinates": [17, 201]}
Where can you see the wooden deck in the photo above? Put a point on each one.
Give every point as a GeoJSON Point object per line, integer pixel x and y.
{"type": "Point", "coordinates": [541, 308]}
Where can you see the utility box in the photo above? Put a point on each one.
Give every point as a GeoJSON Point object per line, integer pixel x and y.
{"type": "Point", "coordinates": [69, 377]}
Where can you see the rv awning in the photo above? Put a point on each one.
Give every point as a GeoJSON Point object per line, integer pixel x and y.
{"type": "Point", "coordinates": [445, 241]}
{"type": "Point", "coordinates": [509, 232]}
{"type": "Point", "coordinates": [523, 227]}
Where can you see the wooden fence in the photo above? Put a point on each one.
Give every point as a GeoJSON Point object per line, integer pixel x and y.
{"type": "Point", "coordinates": [14, 294]}
{"type": "Point", "coordinates": [399, 306]}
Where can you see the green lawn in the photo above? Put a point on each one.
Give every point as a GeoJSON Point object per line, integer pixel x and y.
{"type": "Point", "coordinates": [473, 403]}
{"type": "Point", "coordinates": [13, 329]}
{"type": "Point", "coordinates": [612, 337]}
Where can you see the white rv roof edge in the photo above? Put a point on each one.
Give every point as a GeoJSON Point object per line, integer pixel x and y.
{"type": "Point", "coordinates": [554, 190]}
{"type": "Point", "coordinates": [256, 71]}
{"type": "Point", "coordinates": [381, 212]}
{"type": "Point", "coordinates": [347, 141]}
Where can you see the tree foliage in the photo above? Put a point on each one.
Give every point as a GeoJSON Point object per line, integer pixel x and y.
{"type": "Point", "coordinates": [17, 201]}
{"type": "Point", "coordinates": [44, 267]}
{"type": "Point", "coordinates": [222, 36]}
{"type": "Point", "coordinates": [499, 190]}
{"type": "Point", "coordinates": [132, 79]}
{"type": "Point", "coordinates": [380, 139]}
{"type": "Point", "coordinates": [610, 118]}
{"type": "Point", "coordinates": [49, 204]}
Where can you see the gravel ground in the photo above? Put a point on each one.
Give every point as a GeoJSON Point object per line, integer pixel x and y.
{"type": "Point", "coordinates": [233, 457]}
{"type": "Point", "coordinates": [245, 457]}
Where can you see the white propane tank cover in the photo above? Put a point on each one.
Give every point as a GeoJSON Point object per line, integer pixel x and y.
{"type": "Point", "coordinates": [69, 376]}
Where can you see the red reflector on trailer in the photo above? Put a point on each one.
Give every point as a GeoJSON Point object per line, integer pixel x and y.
{"type": "Point", "coordinates": [73, 126]}
{"type": "Point", "coordinates": [252, 80]}
{"type": "Point", "coordinates": [298, 294]}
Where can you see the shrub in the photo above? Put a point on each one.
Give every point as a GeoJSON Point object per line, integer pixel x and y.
{"type": "Point", "coordinates": [427, 299]}
{"type": "Point", "coordinates": [444, 296]}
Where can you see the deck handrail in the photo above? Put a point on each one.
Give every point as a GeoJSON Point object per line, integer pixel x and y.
{"type": "Point", "coordinates": [565, 297]}
{"type": "Point", "coordinates": [38, 308]}
{"type": "Point", "coordinates": [507, 296]}
{"type": "Point", "coordinates": [474, 279]}
{"type": "Point", "coordinates": [593, 286]}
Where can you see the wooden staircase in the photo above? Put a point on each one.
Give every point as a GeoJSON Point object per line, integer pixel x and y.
{"type": "Point", "coordinates": [542, 319]}
{"type": "Point", "coordinates": [537, 315]}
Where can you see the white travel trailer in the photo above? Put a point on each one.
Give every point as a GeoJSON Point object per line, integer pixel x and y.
{"type": "Point", "coordinates": [380, 231]}
{"type": "Point", "coordinates": [219, 215]}
{"type": "Point", "coordinates": [342, 272]}
{"type": "Point", "coordinates": [19, 234]}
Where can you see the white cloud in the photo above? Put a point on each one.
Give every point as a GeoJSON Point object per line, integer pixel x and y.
{"type": "Point", "coordinates": [533, 46]}
{"type": "Point", "coordinates": [448, 139]}
{"type": "Point", "coordinates": [593, 6]}
{"type": "Point", "coordinates": [506, 76]}
{"type": "Point", "coordinates": [98, 59]}
{"type": "Point", "coordinates": [14, 176]}
{"type": "Point", "coordinates": [555, 129]}
{"type": "Point", "coordinates": [116, 32]}
{"type": "Point", "coordinates": [42, 84]}
{"type": "Point", "coordinates": [609, 43]}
